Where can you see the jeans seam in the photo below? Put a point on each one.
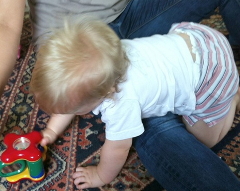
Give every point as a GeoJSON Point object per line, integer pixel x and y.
{"type": "Point", "coordinates": [151, 19]}
{"type": "Point", "coordinates": [170, 175]}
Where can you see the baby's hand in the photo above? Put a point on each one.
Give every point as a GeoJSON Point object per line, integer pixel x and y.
{"type": "Point", "coordinates": [87, 177]}
{"type": "Point", "coordinates": [49, 136]}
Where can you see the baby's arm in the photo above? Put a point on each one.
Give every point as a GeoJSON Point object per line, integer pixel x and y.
{"type": "Point", "coordinates": [56, 125]}
{"type": "Point", "coordinates": [113, 157]}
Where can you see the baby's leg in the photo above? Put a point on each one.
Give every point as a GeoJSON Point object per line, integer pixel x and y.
{"type": "Point", "coordinates": [212, 135]}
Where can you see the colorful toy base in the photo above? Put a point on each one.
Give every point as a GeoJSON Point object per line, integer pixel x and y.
{"type": "Point", "coordinates": [23, 150]}
{"type": "Point", "coordinates": [21, 147]}
{"type": "Point", "coordinates": [24, 175]}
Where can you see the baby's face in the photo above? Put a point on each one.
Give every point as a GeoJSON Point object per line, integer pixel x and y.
{"type": "Point", "coordinates": [88, 107]}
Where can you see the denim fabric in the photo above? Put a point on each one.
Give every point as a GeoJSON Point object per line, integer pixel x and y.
{"type": "Point", "coordinates": [230, 11]}
{"type": "Point", "coordinates": [147, 17]}
{"type": "Point", "coordinates": [178, 161]}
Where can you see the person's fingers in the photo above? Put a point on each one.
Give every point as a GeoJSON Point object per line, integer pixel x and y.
{"type": "Point", "coordinates": [77, 174]}
{"type": "Point", "coordinates": [49, 136]}
{"type": "Point", "coordinates": [44, 141]}
{"type": "Point", "coordinates": [80, 180]}
{"type": "Point", "coordinates": [80, 169]}
{"type": "Point", "coordinates": [83, 186]}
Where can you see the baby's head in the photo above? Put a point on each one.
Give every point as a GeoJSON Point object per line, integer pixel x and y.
{"type": "Point", "coordinates": [77, 66]}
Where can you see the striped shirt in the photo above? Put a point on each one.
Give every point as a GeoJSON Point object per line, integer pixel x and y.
{"type": "Point", "coordinates": [219, 76]}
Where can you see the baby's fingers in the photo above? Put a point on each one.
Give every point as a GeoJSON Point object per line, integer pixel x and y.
{"type": "Point", "coordinates": [49, 136]}
{"type": "Point", "coordinates": [83, 186]}
{"type": "Point", "coordinates": [87, 177]}
{"type": "Point", "coordinates": [44, 141]}
{"type": "Point", "coordinates": [81, 182]}
{"type": "Point", "coordinates": [81, 169]}
{"type": "Point", "coordinates": [77, 174]}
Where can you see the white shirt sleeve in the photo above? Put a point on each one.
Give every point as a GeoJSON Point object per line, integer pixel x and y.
{"type": "Point", "coordinates": [123, 119]}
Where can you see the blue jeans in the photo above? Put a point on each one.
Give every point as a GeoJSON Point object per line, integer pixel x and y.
{"type": "Point", "coordinates": [177, 160]}
{"type": "Point", "coordinates": [147, 17]}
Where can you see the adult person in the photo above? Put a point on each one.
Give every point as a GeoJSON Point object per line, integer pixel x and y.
{"type": "Point", "coordinates": [176, 159]}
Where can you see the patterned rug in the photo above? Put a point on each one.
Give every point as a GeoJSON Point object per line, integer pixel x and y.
{"type": "Point", "coordinates": [81, 142]}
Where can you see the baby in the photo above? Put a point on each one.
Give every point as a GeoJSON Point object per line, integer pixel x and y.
{"type": "Point", "coordinates": [85, 67]}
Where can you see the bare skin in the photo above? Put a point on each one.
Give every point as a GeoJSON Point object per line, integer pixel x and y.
{"type": "Point", "coordinates": [113, 157]}
{"type": "Point", "coordinates": [113, 153]}
{"type": "Point", "coordinates": [56, 125]}
{"type": "Point", "coordinates": [11, 22]}
{"type": "Point", "coordinates": [211, 136]}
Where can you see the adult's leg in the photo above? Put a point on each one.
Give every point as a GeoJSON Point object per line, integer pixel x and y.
{"type": "Point", "coordinates": [178, 161]}
{"type": "Point", "coordinates": [230, 11]}
{"type": "Point", "coordinates": [148, 17]}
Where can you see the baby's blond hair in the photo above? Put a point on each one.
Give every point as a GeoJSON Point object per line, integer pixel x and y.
{"type": "Point", "coordinates": [77, 64]}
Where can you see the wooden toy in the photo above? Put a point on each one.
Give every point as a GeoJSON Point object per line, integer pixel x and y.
{"type": "Point", "coordinates": [25, 152]}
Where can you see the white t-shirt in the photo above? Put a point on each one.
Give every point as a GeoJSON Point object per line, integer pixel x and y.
{"type": "Point", "coordinates": [162, 77]}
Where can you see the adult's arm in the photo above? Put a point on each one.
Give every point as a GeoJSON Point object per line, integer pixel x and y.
{"type": "Point", "coordinates": [11, 22]}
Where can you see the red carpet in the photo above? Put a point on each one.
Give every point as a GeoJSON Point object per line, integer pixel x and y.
{"type": "Point", "coordinates": [81, 143]}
